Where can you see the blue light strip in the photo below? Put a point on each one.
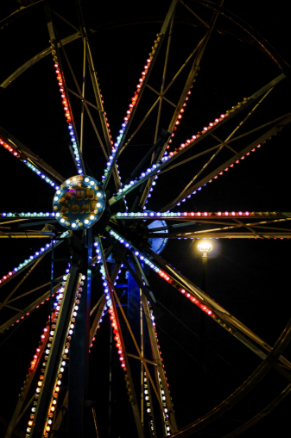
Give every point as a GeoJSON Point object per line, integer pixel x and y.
{"type": "Point", "coordinates": [42, 251]}
{"type": "Point", "coordinates": [28, 215]}
{"type": "Point", "coordinates": [12, 149]}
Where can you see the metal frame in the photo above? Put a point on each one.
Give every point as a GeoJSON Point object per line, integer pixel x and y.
{"type": "Point", "coordinates": [130, 229]}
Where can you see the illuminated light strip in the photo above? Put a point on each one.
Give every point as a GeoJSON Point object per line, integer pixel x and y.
{"type": "Point", "coordinates": [200, 133]}
{"type": "Point", "coordinates": [161, 273]}
{"type": "Point", "coordinates": [200, 215]}
{"type": "Point", "coordinates": [147, 401]}
{"type": "Point", "coordinates": [35, 362]}
{"type": "Point", "coordinates": [47, 351]}
{"type": "Point", "coordinates": [42, 251]}
{"type": "Point", "coordinates": [134, 99]}
{"type": "Point", "coordinates": [156, 168]}
{"type": "Point", "coordinates": [67, 111]}
{"type": "Point", "coordinates": [98, 326]}
{"type": "Point", "coordinates": [216, 176]}
{"type": "Point", "coordinates": [31, 166]}
{"type": "Point", "coordinates": [114, 325]}
{"type": "Point", "coordinates": [28, 215]}
{"type": "Point", "coordinates": [179, 117]}
{"type": "Point", "coordinates": [64, 357]}
{"type": "Point", "coordinates": [28, 313]}
{"type": "Point", "coordinates": [151, 171]}
{"type": "Point", "coordinates": [167, 427]}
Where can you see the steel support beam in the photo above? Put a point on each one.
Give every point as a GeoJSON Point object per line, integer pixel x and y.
{"type": "Point", "coordinates": [55, 356]}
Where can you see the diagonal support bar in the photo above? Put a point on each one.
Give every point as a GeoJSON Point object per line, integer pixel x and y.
{"type": "Point", "coordinates": [56, 351]}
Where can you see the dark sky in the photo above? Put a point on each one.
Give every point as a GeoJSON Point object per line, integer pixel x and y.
{"type": "Point", "coordinates": [250, 278]}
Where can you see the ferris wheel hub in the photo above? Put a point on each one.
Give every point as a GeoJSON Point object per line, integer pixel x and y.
{"type": "Point", "coordinates": [79, 202]}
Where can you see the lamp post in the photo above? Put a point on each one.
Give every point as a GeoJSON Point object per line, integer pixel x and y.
{"type": "Point", "coordinates": [204, 247]}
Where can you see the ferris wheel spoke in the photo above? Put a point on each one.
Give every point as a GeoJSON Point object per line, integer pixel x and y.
{"type": "Point", "coordinates": [219, 217]}
{"type": "Point", "coordinates": [31, 160]}
{"type": "Point", "coordinates": [194, 185]}
{"type": "Point", "coordinates": [30, 261]}
{"type": "Point", "coordinates": [84, 103]}
{"type": "Point", "coordinates": [19, 410]}
{"type": "Point", "coordinates": [114, 297]}
{"type": "Point", "coordinates": [161, 93]}
{"type": "Point", "coordinates": [139, 353]}
{"type": "Point", "coordinates": [232, 221]}
{"type": "Point", "coordinates": [138, 94]}
{"type": "Point", "coordinates": [120, 342]}
{"type": "Point", "coordinates": [274, 353]}
{"type": "Point", "coordinates": [200, 299]}
{"type": "Point", "coordinates": [59, 333]}
{"type": "Point", "coordinates": [165, 161]}
{"type": "Point", "coordinates": [186, 90]}
{"type": "Point", "coordinates": [99, 307]}
{"type": "Point", "coordinates": [163, 80]}
{"type": "Point", "coordinates": [224, 143]}
{"type": "Point", "coordinates": [226, 231]}
{"type": "Point", "coordinates": [94, 80]}
{"type": "Point", "coordinates": [75, 146]}
{"type": "Point", "coordinates": [20, 316]}
{"type": "Point", "coordinates": [161, 377]}
{"type": "Point", "coordinates": [7, 299]}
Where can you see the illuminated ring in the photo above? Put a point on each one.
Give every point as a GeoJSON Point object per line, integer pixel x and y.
{"type": "Point", "coordinates": [79, 202]}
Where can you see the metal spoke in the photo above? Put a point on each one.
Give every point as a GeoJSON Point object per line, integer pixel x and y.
{"type": "Point", "coordinates": [203, 301]}
{"type": "Point", "coordinates": [113, 296]}
{"type": "Point", "coordinates": [95, 84]}
{"type": "Point", "coordinates": [138, 351]}
{"type": "Point", "coordinates": [20, 283]}
{"type": "Point", "coordinates": [227, 163]}
{"type": "Point", "coordinates": [31, 160]}
{"type": "Point", "coordinates": [164, 78]}
{"type": "Point", "coordinates": [154, 345]}
{"type": "Point", "coordinates": [157, 168]}
{"type": "Point", "coordinates": [225, 143]}
{"type": "Point", "coordinates": [56, 352]}
{"type": "Point", "coordinates": [28, 309]}
{"type": "Point", "coordinates": [19, 411]}
{"type": "Point", "coordinates": [32, 290]}
{"type": "Point", "coordinates": [64, 92]}
{"type": "Point", "coordinates": [153, 57]}
{"type": "Point", "coordinates": [141, 123]}
{"type": "Point", "coordinates": [29, 262]}
{"type": "Point", "coordinates": [188, 84]}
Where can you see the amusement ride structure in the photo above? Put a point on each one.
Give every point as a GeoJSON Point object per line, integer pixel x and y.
{"type": "Point", "coordinates": [109, 234]}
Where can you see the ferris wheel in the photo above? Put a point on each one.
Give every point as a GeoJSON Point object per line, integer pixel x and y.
{"type": "Point", "coordinates": [113, 225]}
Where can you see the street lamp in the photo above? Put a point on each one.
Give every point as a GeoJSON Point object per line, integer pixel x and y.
{"type": "Point", "coordinates": [205, 247]}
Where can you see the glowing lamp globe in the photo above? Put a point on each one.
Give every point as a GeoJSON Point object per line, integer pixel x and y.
{"type": "Point", "coordinates": [204, 246]}
{"type": "Point", "coordinates": [79, 202]}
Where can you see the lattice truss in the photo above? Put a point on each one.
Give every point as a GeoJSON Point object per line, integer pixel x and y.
{"type": "Point", "coordinates": [128, 229]}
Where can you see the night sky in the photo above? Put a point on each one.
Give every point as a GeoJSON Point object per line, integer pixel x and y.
{"type": "Point", "coordinates": [250, 278]}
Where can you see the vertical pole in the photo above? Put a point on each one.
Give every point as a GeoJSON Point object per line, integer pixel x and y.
{"type": "Point", "coordinates": [110, 382]}
{"type": "Point", "coordinates": [141, 362]}
{"type": "Point", "coordinates": [202, 332]}
{"type": "Point", "coordinates": [52, 283]}
{"type": "Point", "coordinates": [79, 353]}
